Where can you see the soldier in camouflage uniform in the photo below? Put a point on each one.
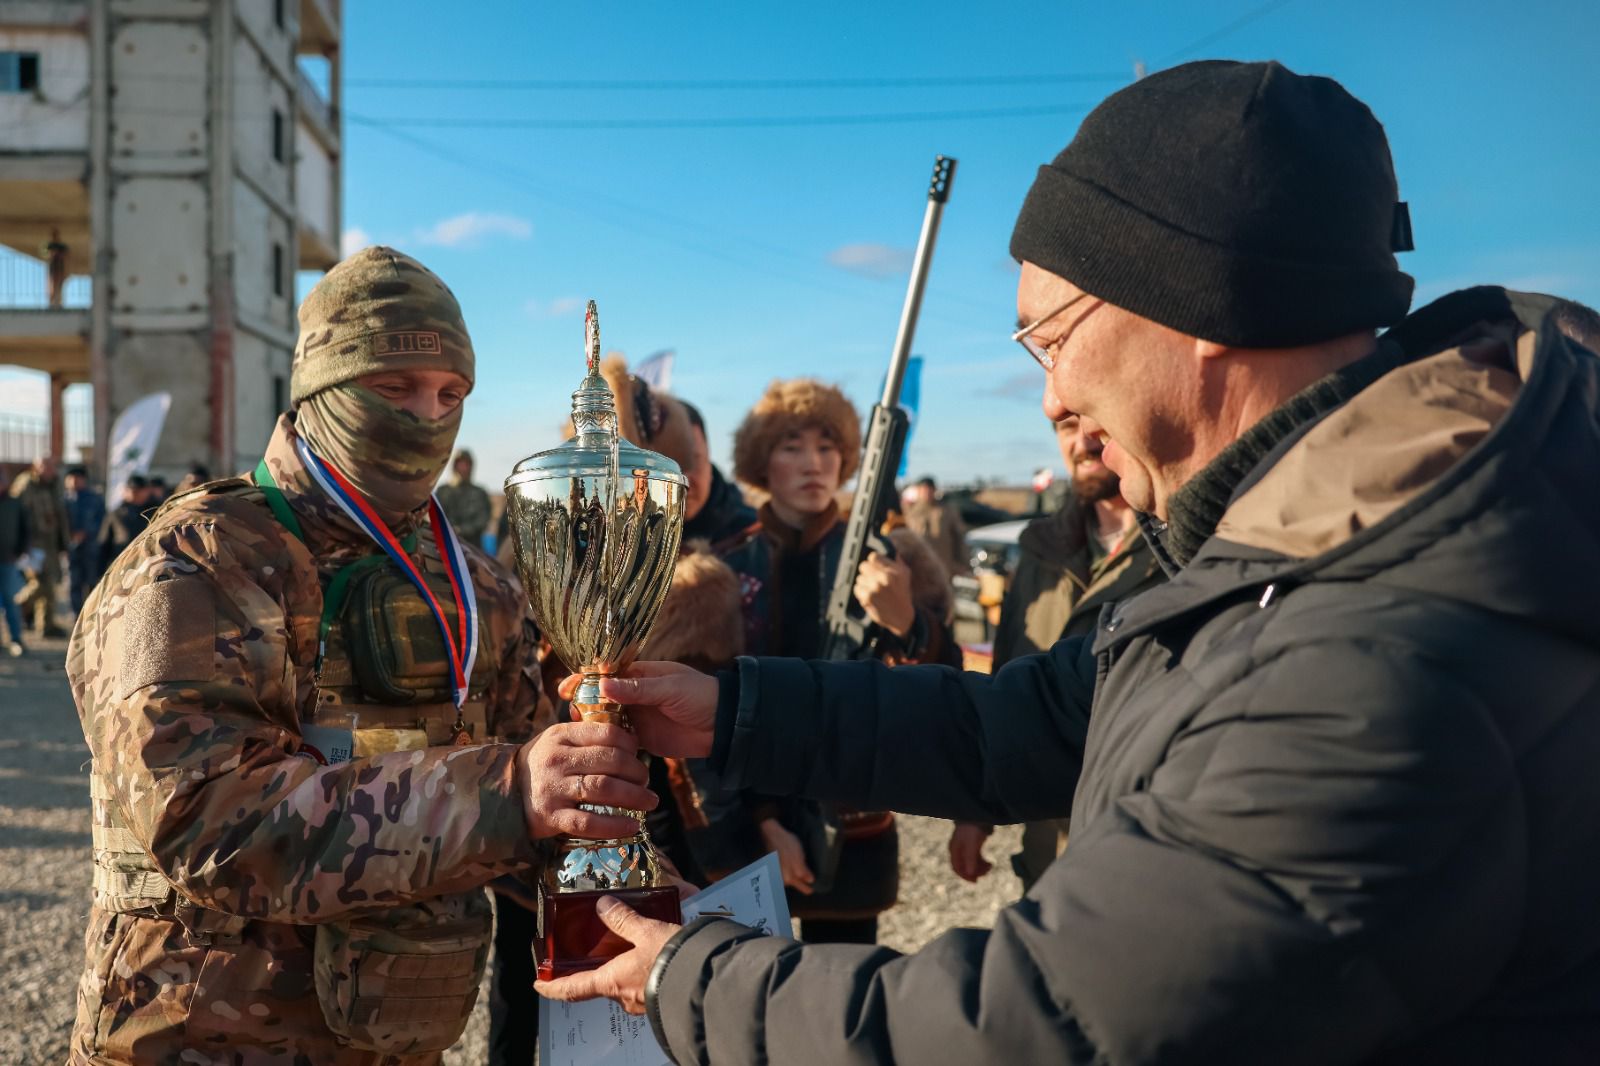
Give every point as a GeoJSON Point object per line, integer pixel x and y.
{"type": "Point", "coordinates": [288, 859]}
{"type": "Point", "coordinates": [465, 502]}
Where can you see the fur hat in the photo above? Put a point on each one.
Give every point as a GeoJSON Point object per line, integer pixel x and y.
{"type": "Point", "coordinates": [787, 407]}
{"type": "Point", "coordinates": [646, 416]}
{"type": "Point", "coordinates": [702, 619]}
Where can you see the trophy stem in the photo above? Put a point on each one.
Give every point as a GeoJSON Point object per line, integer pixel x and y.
{"type": "Point", "coordinates": [592, 707]}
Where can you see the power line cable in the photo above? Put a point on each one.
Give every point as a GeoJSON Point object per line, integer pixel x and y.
{"type": "Point", "coordinates": [1218, 34]}
{"type": "Point", "coordinates": [583, 200]}
{"type": "Point", "coordinates": [730, 84]}
{"type": "Point", "coordinates": [719, 122]}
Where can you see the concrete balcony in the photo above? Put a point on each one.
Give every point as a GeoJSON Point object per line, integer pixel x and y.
{"type": "Point", "coordinates": [54, 340]}
{"type": "Point", "coordinates": [45, 15]}
{"type": "Point", "coordinates": [41, 191]}
{"type": "Point", "coordinates": [316, 112]}
{"type": "Point", "coordinates": [316, 200]}
{"type": "Point", "coordinates": [319, 26]}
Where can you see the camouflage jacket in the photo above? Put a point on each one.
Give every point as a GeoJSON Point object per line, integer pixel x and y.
{"type": "Point", "coordinates": [468, 508]}
{"type": "Point", "coordinates": [193, 668]}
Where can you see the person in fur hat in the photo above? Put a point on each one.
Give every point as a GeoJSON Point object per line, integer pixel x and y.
{"type": "Point", "coordinates": [766, 595]}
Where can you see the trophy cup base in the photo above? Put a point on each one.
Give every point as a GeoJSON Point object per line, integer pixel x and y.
{"type": "Point", "coordinates": [575, 939]}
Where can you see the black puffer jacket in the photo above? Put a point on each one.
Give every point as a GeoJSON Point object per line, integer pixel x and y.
{"type": "Point", "coordinates": [1338, 798]}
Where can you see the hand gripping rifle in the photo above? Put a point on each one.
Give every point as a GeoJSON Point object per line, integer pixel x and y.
{"type": "Point", "coordinates": [849, 629]}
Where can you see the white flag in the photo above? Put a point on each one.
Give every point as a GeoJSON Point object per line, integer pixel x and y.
{"type": "Point", "coordinates": [656, 371]}
{"type": "Point", "coordinates": [133, 441]}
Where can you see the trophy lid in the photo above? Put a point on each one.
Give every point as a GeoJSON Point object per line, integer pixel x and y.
{"type": "Point", "coordinates": [594, 417]}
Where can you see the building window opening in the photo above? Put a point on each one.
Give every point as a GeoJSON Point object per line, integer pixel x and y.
{"type": "Point", "coordinates": [280, 395]}
{"type": "Point", "coordinates": [277, 269]}
{"type": "Point", "coordinates": [277, 13]}
{"type": "Point", "coordinates": [277, 135]}
{"type": "Point", "coordinates": [19, 72]}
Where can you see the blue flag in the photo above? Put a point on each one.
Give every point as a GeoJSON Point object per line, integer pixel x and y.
{"type": "Point", "coordinates": [910, 396]}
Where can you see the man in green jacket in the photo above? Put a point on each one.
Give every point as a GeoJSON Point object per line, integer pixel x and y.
{"type": "Point", "coordinates": [465, 502]}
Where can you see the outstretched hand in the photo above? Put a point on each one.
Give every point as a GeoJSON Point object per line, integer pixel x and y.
{"type": "Point", "coordinates": [966, 850]}
{"type": "Point", "coordinates": [673, 708]}
{"type": "Point", "coordinates": [623, 978]}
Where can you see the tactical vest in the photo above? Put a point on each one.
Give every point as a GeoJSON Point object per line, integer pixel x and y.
{"type": "Point", "coordinates": [402, 980]}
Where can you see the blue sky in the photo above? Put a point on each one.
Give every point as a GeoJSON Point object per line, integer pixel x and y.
{"type": "Point", "coordinates": [778, 248]}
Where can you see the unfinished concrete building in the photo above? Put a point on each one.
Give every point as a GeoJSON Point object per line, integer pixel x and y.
{"type": "Point", "coordinates": [183, 155]}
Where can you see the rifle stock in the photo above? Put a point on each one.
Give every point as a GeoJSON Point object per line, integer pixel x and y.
{"type": "Point", "coordinates": [849, 630]}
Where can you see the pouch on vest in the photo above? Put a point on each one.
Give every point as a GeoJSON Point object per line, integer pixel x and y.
{"type": "Point", "coordinates": [396, 653]}
{"type": "Point", "coordinates": [403, 981]}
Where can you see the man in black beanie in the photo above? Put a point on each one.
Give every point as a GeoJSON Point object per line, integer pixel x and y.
{"type": "Point", "coordinates": [1336, 802]}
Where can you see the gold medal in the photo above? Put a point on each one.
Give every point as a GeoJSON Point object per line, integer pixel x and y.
{"type": "Point", "coordinates": [460, 735]}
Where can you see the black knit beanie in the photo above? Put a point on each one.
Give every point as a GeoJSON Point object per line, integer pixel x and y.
{"type": "Point", "coordinates": [1239, 203]}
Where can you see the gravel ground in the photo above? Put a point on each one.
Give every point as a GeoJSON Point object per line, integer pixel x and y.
{"type": "Point", "coordinates": [44, 855]}
{"type": "Point", "coordinates": [44, 869]}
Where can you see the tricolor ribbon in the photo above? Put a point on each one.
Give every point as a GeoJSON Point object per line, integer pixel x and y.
{"type": "Point", "coordinates": [462, 644]}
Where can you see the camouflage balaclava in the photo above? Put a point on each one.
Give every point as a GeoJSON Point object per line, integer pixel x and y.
{"type": "Point", "coordinates": [378, 310]}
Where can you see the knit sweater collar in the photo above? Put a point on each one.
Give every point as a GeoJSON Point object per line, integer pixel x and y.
{"type": "Point", "coordinates": [1197, 507]}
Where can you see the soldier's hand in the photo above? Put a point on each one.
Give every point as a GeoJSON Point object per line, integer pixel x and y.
{"type": "Point", "coordinates": [673, 707]}
{"type": "Point", "coordinates": [582, 762]}
{"type": "Point", "coordinates": [623, 978]}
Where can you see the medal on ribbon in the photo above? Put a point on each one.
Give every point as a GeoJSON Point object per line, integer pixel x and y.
{"type": "Point", "coordinates": [460, 641]}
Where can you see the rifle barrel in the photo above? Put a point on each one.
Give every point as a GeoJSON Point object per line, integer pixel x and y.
{"type": "Point", "coordinates": [938, 191]}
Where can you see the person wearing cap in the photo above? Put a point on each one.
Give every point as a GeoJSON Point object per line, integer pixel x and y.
{"type": "Point", "coordinates": [124, 522]}
{"type": "Point", "coordinates": [938, 522]}
{"type": "Point", "coordinates": [309, 708]}
{"type": "Point", "coordinates": [1336, 801]}
{"type": "Point", "coordinates": [465, 502]}
{"type": "Point", "coordinates": [39, 489]}
{"type": "Point", "coordinates": [86, 510]}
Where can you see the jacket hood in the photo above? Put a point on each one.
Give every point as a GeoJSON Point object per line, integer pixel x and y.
{"type": "Point", "coordinates": [1465, 473]}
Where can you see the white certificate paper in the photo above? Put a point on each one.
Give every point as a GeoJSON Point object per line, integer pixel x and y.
{"type": "Point", "coordinates": [598, 1032]}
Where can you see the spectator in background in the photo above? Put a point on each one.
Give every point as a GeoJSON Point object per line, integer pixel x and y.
{"type": "Point", "coordinates": [1073, 562]}
{"type": "Point", "coordinates": [14, 544]}
{"type": "Point", "coordinates": [465, 503]}
{"type": "Point", "coordinates": [939, 523]}
{"type": "Point", "coordinates": [55, 257]}
{"type": "Point", "coordinates": [198, 475]}
{"type": "Point", "coordinates": [126, 522]}
{"type": "Point", "coordinates": [159, 492]}
{"type": "Point", "coordinates": [39, 490]}
{"type": "Point", "coordinates": [716, 509]}
{"type": "Point", "coordinates": [86, 512]}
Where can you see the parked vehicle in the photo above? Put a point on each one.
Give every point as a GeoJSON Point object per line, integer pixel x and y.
{"type": "Point", "coordinates": [994, 552]}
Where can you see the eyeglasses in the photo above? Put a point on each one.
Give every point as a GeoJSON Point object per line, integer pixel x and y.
{"type": "Point", "coordinates": [1042, 352]}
